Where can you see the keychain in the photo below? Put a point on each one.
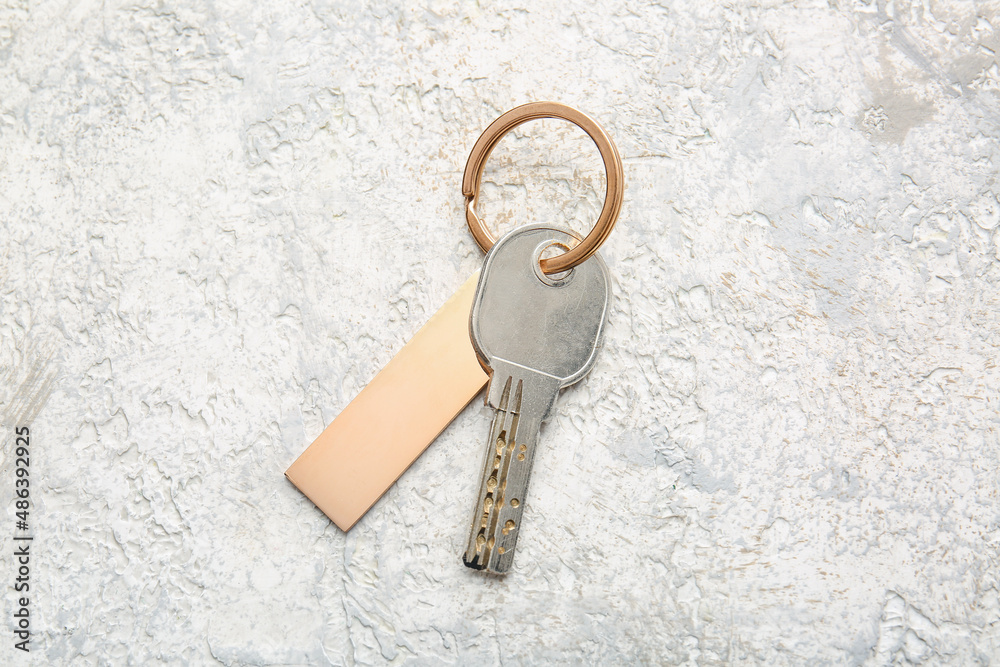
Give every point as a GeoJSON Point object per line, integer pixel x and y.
{"type": "Point", "coordinates": [535, 326]}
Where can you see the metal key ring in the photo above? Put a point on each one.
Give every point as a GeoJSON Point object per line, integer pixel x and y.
{"type": "Point", "coordinates": [612, 166]}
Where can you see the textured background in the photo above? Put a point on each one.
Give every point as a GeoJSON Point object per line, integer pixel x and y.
{"type": "Point", "coordinates": [220, 220]}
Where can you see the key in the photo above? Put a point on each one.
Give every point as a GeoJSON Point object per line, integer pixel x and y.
{"type": "Point", "coordinates": [534, 334]}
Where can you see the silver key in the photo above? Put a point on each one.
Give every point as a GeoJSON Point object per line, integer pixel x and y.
{"type": "Point", "coordinates": [534, 335]}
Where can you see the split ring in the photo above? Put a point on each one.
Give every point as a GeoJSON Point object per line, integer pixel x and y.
{"type": "Point", "coordinates": [472, 180]}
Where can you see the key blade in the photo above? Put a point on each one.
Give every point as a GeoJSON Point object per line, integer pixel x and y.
{"type": "Point", "coordinates": [496, 519]}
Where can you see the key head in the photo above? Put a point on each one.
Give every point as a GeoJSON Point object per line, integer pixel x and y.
{"type": "Point", "coordinates": [522, 317]}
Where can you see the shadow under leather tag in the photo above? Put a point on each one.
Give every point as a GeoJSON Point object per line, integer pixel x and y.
{"type": "Point", "coordinates": [394, 419]}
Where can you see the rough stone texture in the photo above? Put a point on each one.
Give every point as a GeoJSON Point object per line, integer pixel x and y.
{"type": "Point", "coordinates": [221, 219]}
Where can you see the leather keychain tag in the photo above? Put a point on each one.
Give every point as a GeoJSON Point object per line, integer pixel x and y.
{"type": "Point", "coordinates": [394, 419]}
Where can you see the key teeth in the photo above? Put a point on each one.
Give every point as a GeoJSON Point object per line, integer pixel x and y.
{"type": "Point", "coordinates": [520, 405]}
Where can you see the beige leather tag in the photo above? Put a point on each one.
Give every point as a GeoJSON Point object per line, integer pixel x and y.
{"type": "Point", "coordinates": [394, 419]}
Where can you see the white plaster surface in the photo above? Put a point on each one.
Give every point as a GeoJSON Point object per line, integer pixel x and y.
{"type": "Point", "coordinates": [220, 219]}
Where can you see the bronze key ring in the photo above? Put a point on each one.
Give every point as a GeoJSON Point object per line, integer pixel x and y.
{"type": "Point", "coordinates": [612, 165]}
